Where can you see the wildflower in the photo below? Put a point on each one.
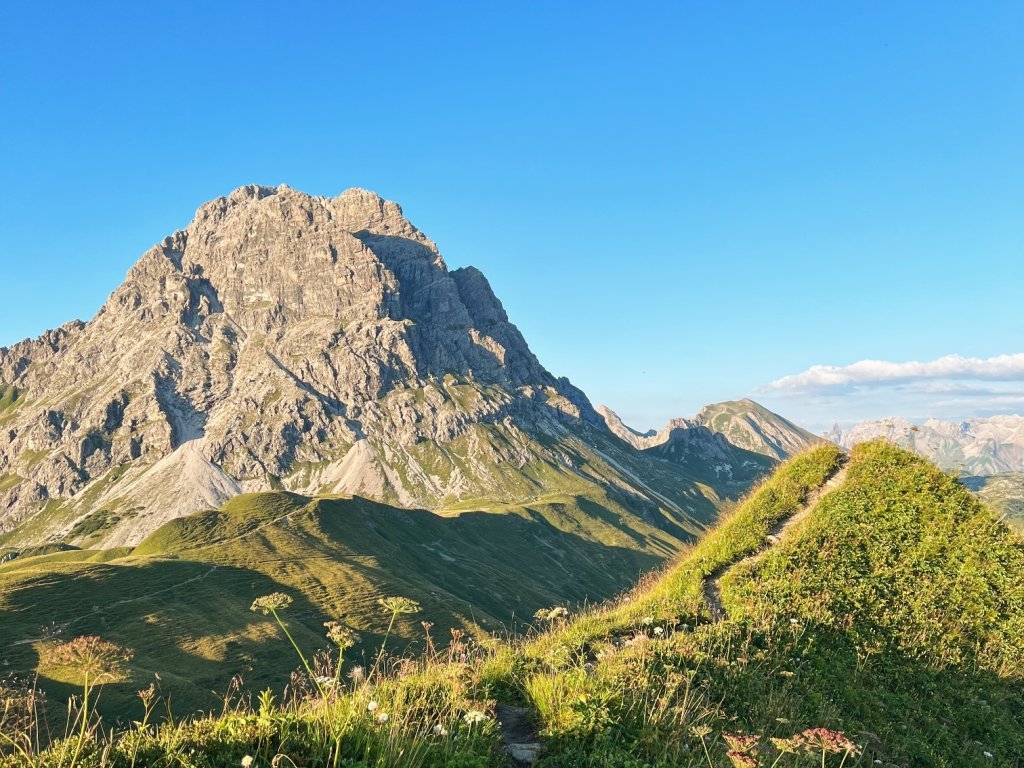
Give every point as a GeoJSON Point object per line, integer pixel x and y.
{"type": "Point", "coordinates": [741, 759]}
{"type": "Point", "coordinates": [794, 621]}
{"type": "Point", "coordinates": [440, 730]}
{"type": "Point", "coordinates": [147, 694]}
{"type": "Point", "coordinates": [372, 706]}
{"type": "Point", "coordinates": [553, 614]}
{"type": "Point", "coordinates": [383, 717]}
{"type": "Point", "coordinates": [474, 716]}
{"type": "Point", "coordinates": [357, 675]}
{"type": "Point", "coordinates": [427, 625]}
{"type": "Point", "coordinates": [94, 657]}
{"type": "Point", "coordinates": [790, 746]}
{"type": "Point", "coordinates": [741, 743]}
{"type": "Point", "coordinates": [647, 621]}
{"type": "Point", "coordinates": [324, 681]}
{"type": "Point", "coordinates": [988, 755]}
{"type": "Point", "coordinates": [247, 761]}
{"type": "Point", "coordinates": [397, 605]}
{"type": "Point", "coordinates": [340, 635]}
{"type": "Point", "coordinates": [659, 631]}
{"type": "Point", "coordinates": [270, 604]}
{"type": "Point", "coordinates": [701, 731]}
{"type": "Point", "coordinates": [829, 741]}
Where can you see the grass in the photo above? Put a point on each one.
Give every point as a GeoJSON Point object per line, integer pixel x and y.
{"type": "Point", "coordinates": [9, 481]}
{"type": "Point", "coordinates": [192, 581]}
{"type": "Point", "coordinates": [885, 628]}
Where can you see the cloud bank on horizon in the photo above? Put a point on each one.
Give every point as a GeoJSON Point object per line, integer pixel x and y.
{"type": "Point", "coordinates": [822, 378]}
{"type": "Point", "coordinates": [952, 387]}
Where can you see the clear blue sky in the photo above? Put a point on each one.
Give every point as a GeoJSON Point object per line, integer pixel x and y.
{"type": "Point", "coordinates": [677, 202]}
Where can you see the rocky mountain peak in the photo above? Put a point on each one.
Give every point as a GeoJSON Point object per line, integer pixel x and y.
{"type": "Point", "coordinates": [276, 332]}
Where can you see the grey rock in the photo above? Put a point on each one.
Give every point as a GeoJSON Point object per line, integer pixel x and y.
{"type": "Point", "coordinates": [285, 340]}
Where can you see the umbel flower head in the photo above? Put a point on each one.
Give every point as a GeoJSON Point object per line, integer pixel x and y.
{"type": "Point", "coordinates": [397, 605]}
{"type": "Point", "coordinates": [741, 743]}
{"type": "Point", "coordinates": [92, 656]}
{"type": "Point", "coordinates": [824, 740]}
{"type": "Point", "coordinates": [340, 635]}
{"type": "Point", "coordinates": [271, 604]}
{"type": "Point", "coordinates": [557, 613]}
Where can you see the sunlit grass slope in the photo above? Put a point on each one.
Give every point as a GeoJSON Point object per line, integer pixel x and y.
{"type": "Point", "coordinates": [181, 598]}
{"type": "Point", "coordinates": [894, 613]}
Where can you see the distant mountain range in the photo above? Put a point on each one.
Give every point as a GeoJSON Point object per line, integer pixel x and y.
{"type": "Point", "coordinates": [735, 441]}
{"type": "Point", "coordinates": [987, 446]}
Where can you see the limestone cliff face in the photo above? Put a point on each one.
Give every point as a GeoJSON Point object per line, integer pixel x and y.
{"type": "Point", "coordinates": [981, 446]}
{"type": "Point", "coordinates": [279, 339]}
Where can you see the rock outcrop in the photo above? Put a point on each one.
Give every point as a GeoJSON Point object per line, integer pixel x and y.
{"type": "Point", "coordinates": [734, 441]}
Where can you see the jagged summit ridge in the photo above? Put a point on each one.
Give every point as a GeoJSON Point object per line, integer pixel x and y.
{"type": "Point", "coordinates": [260, 345]}
{"type": "Point", "coordinates": [736, 440]}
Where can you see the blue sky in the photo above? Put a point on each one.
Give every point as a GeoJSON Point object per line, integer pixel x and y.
{"type": "Point", "coordinates": [677, 202]}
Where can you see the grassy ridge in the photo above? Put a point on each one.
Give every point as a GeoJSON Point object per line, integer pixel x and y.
{"type": "Point", "coordinates": [895, 613]}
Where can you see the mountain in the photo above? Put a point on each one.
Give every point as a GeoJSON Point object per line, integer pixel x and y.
{"type": "Point", "coordinates": [986, 446]}
{"type": "Point", "coordinates": [730, 442]}
{"type": "Point", "coordinates": [308, 344]}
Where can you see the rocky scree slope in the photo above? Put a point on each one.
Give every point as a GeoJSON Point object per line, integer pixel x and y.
{"type": "Point", "coordinates": [314, 344]}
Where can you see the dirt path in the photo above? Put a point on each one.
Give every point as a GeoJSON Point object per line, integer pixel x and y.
{"type": "Point", "coordinates": [712, 586]}
{"type": "Point", "coordinates": [519, 735]}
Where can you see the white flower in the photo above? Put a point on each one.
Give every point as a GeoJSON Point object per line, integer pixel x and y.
{"type": "Point", "coordinates": [474, 716]}
{"type": "Point", "coordinates": [357, 675]}
{"type": "Point", "coordinates": [325, 682]}
{"type": "Point", "coordinates": [659, 631]}
{"type": "Point", "coordinates": [247, 761]}
{"type": "Point", "coordinates": [440, 730]}
{"type": "Point", "coordinates": [372, 706]}
{"type": "Point", "coordinates": [794, 621]}
{"type": "Point", "coordinates": [383, 717]}
{"type": "Point", "coordinates": [647, 621]}
{"type": "Point", "coordinates": [989, 755]}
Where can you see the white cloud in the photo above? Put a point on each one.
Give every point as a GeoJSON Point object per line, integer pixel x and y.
{"type": "Point", "coordinates": [881, 373]}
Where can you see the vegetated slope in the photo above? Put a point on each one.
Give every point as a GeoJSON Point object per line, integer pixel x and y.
{"type": "Point", "coordinates": [983, 446]}
{"type": "Point", "coordinates": [893, 612]}
{"type": "Point", "coordinates": [1004, 493]}
{"type": "Point", "coordinates": [286, 341]}
{"type": "Point", "coordinates": [729, 444]}
{"type": "Point", "coordinates": [181, 598]}
{"type": "Point", "coordinates": [881, 615]}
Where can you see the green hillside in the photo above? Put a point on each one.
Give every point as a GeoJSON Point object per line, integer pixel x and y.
{"type": "Point", "coordinates": [181, 598]}
{"type": "Point", "coordinates": [860, 610]}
